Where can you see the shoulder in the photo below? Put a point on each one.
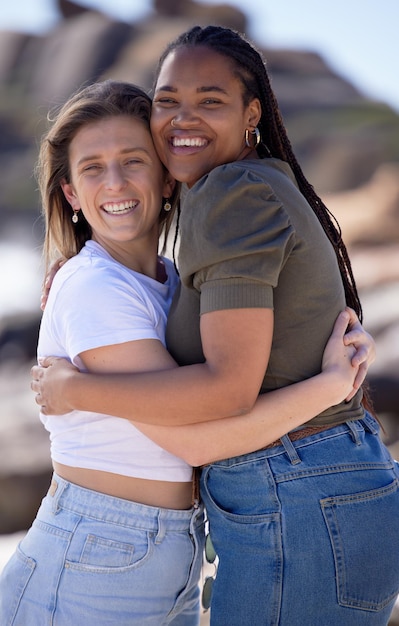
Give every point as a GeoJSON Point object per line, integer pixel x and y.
{"type": "Point", "coordinates": [236, 198]}
{"type": "Point", "coordinates": [234, 219]}
{"type": "Point", "coordinates": [251, 184]}
{"type": "Point", "coordinates": [241, 174]}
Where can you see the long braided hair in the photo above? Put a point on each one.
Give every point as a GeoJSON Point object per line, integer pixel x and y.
{"type": "Point", "coordinates": [250, 68]}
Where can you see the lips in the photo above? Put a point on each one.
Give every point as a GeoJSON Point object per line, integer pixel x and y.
{"type": "Point", "coordinates": [118, 208]}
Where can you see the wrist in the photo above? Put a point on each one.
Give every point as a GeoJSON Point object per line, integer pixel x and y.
{"type": "Point", "coordinates": [334, 387]}
{"type": "Point", "coordinates": [69, 389]}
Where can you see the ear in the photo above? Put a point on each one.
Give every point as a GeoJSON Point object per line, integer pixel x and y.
{"type": "Point", "coordinates": [70, 195]}
{"type": "Point", "coordinates": [254, 112]}
{"type": "Point", "coordinates": [168, 186]}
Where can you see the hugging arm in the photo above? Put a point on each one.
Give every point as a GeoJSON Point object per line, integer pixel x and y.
{"type": "Point", "coordinates": [274, 414]}
{"type": "Point", "coordinates": [214, 389]}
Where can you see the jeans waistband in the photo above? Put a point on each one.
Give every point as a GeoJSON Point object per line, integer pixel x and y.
{"type": "Point", "coordinates": [68, 496]}
{"type": "Point", "coordinates": [300, 433]}
{"type": "Point", "coordinates": [286, 445]}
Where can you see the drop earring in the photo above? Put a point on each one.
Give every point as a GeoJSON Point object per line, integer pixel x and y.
{"type": "Point", "coordinates": [167, 205]}
{"type": "Point", "coordinates": [75, 217]}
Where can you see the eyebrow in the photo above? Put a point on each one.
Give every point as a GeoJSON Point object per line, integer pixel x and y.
{"type": "Point", "coordinates": [204, 89]}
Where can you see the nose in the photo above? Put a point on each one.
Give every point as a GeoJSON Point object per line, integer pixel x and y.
{"type": "Point", "coordinates": [115, 178]}
{"type": "Point", "coordinates": [185, 117]}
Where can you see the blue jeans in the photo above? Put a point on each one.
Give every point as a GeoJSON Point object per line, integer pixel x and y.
{"type": "Point", "coordinates": [307, 532]}
{"type": "Point", "coordinates": [91, 560]}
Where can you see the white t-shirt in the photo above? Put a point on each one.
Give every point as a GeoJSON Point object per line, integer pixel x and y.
{"type": "Point", "coordinates": [95, 301]}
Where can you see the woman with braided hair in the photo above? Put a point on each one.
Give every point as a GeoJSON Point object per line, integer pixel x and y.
{"type": "Point", "coordinates": [307, 528]}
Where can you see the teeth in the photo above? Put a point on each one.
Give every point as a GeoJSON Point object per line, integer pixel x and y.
{"type": "Point", "coordinates": [119, 207]}
{"type": "Point", "coordinates": [195, 142]}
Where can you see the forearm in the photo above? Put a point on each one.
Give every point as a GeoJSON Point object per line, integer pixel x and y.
{"type": "Point", "coordinates": [273, 415]}
{"type": "Point", "coordinates": [217, 388]}
{"type": "Point", "coordinates": [180, 396]}
{"type": "Point", "coordinates": [212, 390]}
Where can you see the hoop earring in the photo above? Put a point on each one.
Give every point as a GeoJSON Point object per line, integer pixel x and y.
{"type": "Point", "coordinates": [75, 217]}
{"type": "Point", "coordinates": [255, 132]}
{"type": "Point", "coordinates": [167, 205]}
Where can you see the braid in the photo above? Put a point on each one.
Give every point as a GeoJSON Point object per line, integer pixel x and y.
{"type": "Point", "coordinates": [175, 238]}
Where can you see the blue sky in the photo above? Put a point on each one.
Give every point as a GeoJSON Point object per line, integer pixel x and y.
{"type": "Point", "coordinates": [358, 38]}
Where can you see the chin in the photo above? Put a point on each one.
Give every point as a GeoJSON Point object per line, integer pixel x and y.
{"type": "Point", "coordinates": [188, 177]}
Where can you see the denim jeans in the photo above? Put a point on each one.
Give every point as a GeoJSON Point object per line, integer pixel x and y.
{"type": "Point", "coordinates": [307, 532]}
{"type": "Point", "coordinates": [93, 560]}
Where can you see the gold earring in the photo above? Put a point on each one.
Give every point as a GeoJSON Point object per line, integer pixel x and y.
{"type": "Point", "coordinates": [167, 205]}
{"type": "Point", "coordinates": [75, 217]}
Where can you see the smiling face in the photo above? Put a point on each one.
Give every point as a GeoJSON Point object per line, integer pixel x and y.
{"type": "Point", "coordinates": [198, 91]}
{"type": "Point", "coordinates": [118, 181]}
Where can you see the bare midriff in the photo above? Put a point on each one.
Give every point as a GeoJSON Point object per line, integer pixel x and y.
{"type": "Point", "coordinates": [158, 493]}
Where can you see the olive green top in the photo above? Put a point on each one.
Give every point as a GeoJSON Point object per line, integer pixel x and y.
{"type": "Point", "coordinates": [250, 239]}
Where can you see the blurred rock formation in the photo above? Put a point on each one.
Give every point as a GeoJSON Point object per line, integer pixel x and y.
{"type": "Point", "coordinates": [348, 146]}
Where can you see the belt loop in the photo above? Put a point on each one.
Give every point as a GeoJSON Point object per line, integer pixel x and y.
{"type": "Point", "coordinates": [370, 424]}
{"type": "Point", "coordinates": [197, 513]}
{"type": "Point", "coordinates": [161, 528]}
{"type": "Point", "coordinates": [290, 450]}
{"type": "Point", "coordinates": [56, 490]}
{"type": "Point", "coordinates": [354, 432]}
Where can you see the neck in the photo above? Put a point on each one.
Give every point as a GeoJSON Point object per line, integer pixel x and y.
{"type": "Point", "coordinates": [251, 153]}
{"type": "Point", "coordinates": [139, 255]}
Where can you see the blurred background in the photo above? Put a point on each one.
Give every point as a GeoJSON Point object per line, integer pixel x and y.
{"type": "Point", "coordinates": [334, 70]}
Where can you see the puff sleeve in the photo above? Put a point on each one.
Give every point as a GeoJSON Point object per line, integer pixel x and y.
{"type": "Point", "coordinates": [235, 239]}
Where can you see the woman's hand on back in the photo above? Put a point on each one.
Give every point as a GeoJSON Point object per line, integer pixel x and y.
{"type": "Point", "coordinates": [349, 352]}
{"type": "Point", "coordinates": [363, 342]}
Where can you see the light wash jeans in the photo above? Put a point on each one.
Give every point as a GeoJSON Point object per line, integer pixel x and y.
{"type": "Point", "coordinates": [307, 533]}
{"type": "Point", "coordinates": [93, 560]}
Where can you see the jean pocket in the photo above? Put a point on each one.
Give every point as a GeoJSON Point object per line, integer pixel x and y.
{"type": "Point", "coordinates": [240, 493]}
{"type": "Point", "coordinates": [364, 535]}
{"type": "Point", "coordinates": [14, 580]}
{"type": "Point", "coordinates": [106, 554]}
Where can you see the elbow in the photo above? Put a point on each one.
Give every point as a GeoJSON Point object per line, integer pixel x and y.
{"type": "Point", "coordinates": [204, 456]}
{"type": "Point", "coordinates": [198, 460]}
{"type": "Point", "coordinates": [188, 451]}
{"type": "Point", "coordinates": [239, 407]}
{"type": "Point", "coordinates": [197, 454]}
{"type": "Point", "coordinates": [239, 400]}
{"type": "Point", "coordinates": [194, 458]}
{"type": "Point", "coordinates": [232, 403]}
